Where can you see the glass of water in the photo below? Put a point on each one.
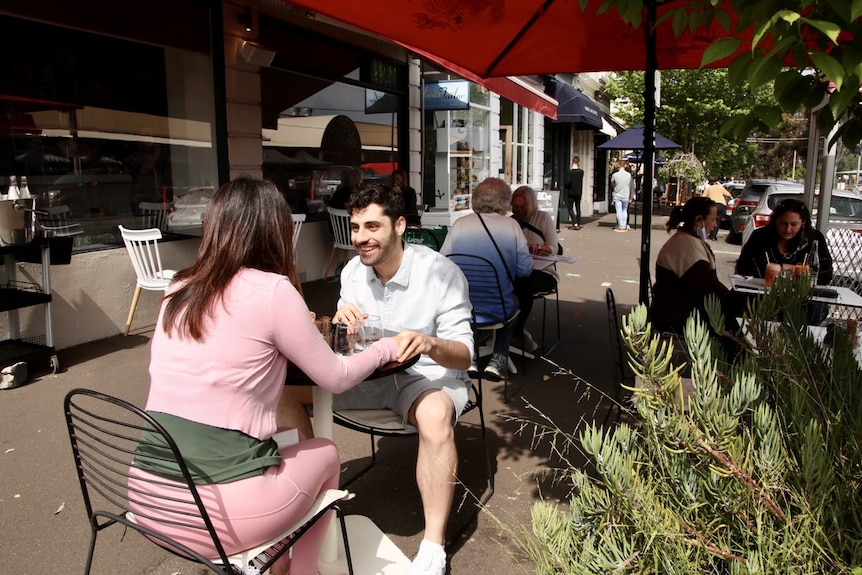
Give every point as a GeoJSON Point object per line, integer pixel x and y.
{"type": "Point", "coordinates": [371, 331]}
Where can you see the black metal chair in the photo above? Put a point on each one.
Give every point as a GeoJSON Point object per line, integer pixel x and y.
{"type": "Point", "coordinates": [486, 293]}
{"type": "Point", "coordinates": [105, 433]}
{"type": "Point", "coordinates": [386, 423]}
{"type": "Point", "coordinates": [620, 374]}
{"type": "Point", "coordinates": [543, 295]}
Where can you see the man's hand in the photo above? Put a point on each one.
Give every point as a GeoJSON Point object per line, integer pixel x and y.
{"type": "Point", "coordinates": [412, 343]}
{"type": "Point", "coordinates": [449, 354]}
{"type": "Point", "coordinates": [351, 315]}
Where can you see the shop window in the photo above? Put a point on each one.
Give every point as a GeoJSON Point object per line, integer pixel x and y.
{"type": "Point", "coordinates": [100, 124]}
{"type": "Point", "coordinates": [457, 150]}
{"type": "Point", "coordinates": [327, 107]}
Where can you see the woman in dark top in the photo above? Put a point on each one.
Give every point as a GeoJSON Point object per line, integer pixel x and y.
{"type": "Point", "coordinates": [685, 268]}
{"type": "Point", "coordinates": [787, 240]}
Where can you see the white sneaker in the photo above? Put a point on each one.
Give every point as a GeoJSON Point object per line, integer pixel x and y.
{"type": "Point", "coordinates": [430, 560]}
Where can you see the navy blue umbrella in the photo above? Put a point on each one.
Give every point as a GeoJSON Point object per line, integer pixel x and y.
{"type": "Point", "coordinates": [633, 139]}
{"type": "Point", "coordinates": [637, 157]}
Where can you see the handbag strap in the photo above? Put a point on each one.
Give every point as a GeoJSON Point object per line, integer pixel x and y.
{"type": "Point", "coordinates": [538, 232]}
{"type": "Point", "coordinates": [532, 228]}
{"type": "Point", "coordinates": [496, 247]}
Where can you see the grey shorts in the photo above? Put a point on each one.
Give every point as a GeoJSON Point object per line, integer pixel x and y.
{"type": "Point", "coordinates": [398, 392]}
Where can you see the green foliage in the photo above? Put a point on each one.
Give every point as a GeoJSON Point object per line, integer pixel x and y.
{"type": "Point", "coordinates": [817, 42]}
{"type": "Point", "coordinates": [758, 469]}
{"type": "Point", "coordinates": [695, 104]}
{"type": "Point", "coordinates": [809, 43]}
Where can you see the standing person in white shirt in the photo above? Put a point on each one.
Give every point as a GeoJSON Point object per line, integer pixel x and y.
{"type": "Point", "coordinates": [424, 296]}
{"type": "Point", "coordinates": [622, 195]}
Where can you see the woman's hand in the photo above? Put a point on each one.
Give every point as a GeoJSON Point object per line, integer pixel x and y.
{"type": "Point", "coordinates": [540, 250]}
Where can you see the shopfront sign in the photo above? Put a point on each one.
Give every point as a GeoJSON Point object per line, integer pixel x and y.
{"type": "Point", "coordinates": [447, 95]}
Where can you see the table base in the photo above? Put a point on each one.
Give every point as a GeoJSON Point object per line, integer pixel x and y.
{"type": "Point", "coordinates": [372, 552]}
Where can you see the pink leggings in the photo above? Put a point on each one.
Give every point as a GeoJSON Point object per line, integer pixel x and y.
{"type": "Point", "coordinates": [252, 511]}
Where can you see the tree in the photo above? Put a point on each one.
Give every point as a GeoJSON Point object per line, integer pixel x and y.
{"type": "Point", "coordinates": [694, 106]}
{"type": "Point", "coordinates": [811, 49]}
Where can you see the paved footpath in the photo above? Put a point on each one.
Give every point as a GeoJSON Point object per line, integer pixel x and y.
{"type": "Point", "coordinates": [44, 528]}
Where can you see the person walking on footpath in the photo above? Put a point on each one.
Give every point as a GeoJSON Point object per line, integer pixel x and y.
{"type": "Point", "coordinates": [718, 194]}
{"type": "Point", "coordinates": [574, 192]}
{"type": "Point", "coordinates": [622, 195]}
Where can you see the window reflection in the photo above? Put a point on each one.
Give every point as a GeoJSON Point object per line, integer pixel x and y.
{"type": "Point", "coordinates": [104, 127]}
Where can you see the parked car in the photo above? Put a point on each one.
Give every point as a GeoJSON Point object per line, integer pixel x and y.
{"type": "Point", "coordinates": [844, 236]}
{"type": "Point", "coordinates": [735, 189]}
{"type": "Point", "coordinates": [747, 201]}
{"type": "Point", "coordinates": [97, 193]}
{"type": "Point", "coordinates": [328, 179]}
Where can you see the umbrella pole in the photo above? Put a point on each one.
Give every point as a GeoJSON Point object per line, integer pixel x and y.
{"type": "Point", "coordinates": [649, 146]}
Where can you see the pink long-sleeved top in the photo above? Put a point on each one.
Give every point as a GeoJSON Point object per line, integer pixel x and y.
{"type": "Point", "coordinates": [232, 378]}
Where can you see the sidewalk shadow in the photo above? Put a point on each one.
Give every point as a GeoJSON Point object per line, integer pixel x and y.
{"type": "Point", "coordinates": [387, 493]}
{"type": "Point", "coordinates": [92, 350]}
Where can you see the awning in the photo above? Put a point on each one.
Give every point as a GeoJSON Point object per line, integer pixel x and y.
{"type": "Point", "coordinates": [575, 106]}
{"type": "Point", "coordinates": [607, 128]}
{"type": "Point", "coordinates": [512, 87]}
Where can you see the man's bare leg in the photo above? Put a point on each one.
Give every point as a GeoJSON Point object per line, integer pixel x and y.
{"type": "Point", "coordinates": [292, 409]}
{"type": "Point", "coordinates": [436, 465]}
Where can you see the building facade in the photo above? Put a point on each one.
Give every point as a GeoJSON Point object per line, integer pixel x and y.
{"type": "Point", "coordinates": [103, 115]}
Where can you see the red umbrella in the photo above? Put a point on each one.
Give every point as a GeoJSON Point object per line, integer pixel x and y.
{"type": "Point", "coordinates": [492, 38]}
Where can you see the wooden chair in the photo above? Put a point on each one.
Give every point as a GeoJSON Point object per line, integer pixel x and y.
{"type": "Point", "coordinates": [55, 222]}
{"type": "Point", "coordinates": [340, 220]}
{"type": "Point", "coordinates": [105, 433]}
{"type": "Point", "coordinates": [143, 248]}
{"type": "Point", "coordinates": [154, 214]}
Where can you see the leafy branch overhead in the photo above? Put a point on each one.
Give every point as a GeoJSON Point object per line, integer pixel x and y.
{"type": "Point", "coordinates": [811, 49]}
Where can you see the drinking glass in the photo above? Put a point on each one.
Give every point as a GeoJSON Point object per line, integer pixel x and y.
{"type": "Point", "coordinates": [772, 271]}
{"type": "Point", "coordinates": [371, 331]}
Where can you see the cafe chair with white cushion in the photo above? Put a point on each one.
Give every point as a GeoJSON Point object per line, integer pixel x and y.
{"type": "Point", "coordinates": [105, 432]}
{"type": "Point", "coordinates": [154, 214]}
{"type": "Point", "coordinates": [340, 220]}
{"type": "Point", "coordinates": [143, 248]}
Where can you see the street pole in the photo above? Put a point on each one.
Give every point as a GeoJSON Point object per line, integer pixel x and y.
{"type": "Point", "coordinates": [648, 145]}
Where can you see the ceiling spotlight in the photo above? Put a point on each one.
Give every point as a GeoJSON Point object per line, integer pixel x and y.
{"type": "Point", "coordinates": [245, 18]}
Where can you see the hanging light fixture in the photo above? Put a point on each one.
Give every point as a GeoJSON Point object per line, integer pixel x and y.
{"type": "Point", "coordinates": [245, 18]}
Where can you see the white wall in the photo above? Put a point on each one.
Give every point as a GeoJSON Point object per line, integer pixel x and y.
{"type": "Point", "coordinates": [92, 295]}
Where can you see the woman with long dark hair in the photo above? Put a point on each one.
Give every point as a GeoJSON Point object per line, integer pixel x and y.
{"type": "Point", "coordinates": [786, 240]}
{"type": "Point", "coordinates": [228, 328]}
